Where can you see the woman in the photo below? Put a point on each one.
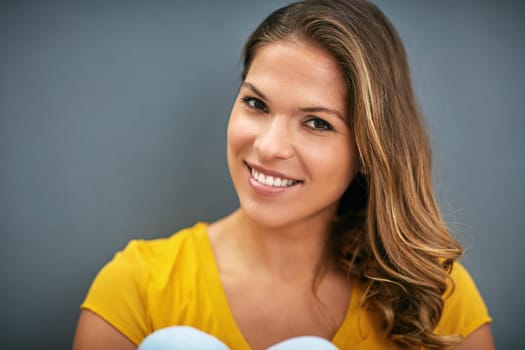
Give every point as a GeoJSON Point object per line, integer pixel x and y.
{"type": "Point", "coordinates": [338, 234]}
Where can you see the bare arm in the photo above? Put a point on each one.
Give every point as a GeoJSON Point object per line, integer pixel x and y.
{"type": "Point", "coordinates": [94, 333]}
{"type": "Point", "coordinates": [480, 339]}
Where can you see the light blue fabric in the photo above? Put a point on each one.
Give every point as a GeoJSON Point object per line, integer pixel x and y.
{"type": "Point", "coordinates": [188, 338]}
{"type": "Point", "coordinates": [181, 338]}
{"type": "Point", "coordinates": [304, 343]}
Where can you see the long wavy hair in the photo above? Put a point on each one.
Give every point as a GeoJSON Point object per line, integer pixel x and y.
{"type": "Point", "coordinates": [388, 232]}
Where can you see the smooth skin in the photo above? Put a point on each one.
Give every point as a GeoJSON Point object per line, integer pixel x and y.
{"type": "Point", "coordinates": [287, 120]}
{"type": "Point", "coordinates": [94, 333]}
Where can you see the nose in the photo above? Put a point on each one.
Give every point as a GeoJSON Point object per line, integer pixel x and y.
{"type": "Point", "coordinates": [274, 139]}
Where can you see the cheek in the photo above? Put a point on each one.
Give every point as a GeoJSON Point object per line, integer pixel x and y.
{"type": "Point", "coordinates": [240, 131]}
{"type": "Point", "coordinates": [334, 162]}
{"type": "Point", "coordinates": [349, 155]}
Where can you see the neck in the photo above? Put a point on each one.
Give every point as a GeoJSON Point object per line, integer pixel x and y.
{"type": "Point", "coordinates": [292, 252]}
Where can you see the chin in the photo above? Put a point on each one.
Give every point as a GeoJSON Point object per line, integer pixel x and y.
{"type": "Point", "coordinates": [279, 217]}
{"type": "Point", "coordinates": [265, 217]}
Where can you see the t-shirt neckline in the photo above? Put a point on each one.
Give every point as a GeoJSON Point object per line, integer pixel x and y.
{"type": "Point", "coordinates": [225, 316]}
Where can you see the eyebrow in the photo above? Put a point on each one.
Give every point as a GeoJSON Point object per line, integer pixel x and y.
{"type": "Point", "coordinates": [317, 109]}
{"type": "Point", "coordinates": [254, 89]}
{"type": "Point", "coordinates": [313, 109]}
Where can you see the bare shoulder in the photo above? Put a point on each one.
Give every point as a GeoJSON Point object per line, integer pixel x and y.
{"type": "Point", "coordinates": [93, 332]}
{"type": "Point", "coordinates": [480, 339]}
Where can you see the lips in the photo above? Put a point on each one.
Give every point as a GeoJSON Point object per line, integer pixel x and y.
{"type": "Point", "coordinates": [270, 177]}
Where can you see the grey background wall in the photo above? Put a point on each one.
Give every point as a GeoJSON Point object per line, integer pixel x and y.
{"type": "Point", "coordinates": [112, 127]}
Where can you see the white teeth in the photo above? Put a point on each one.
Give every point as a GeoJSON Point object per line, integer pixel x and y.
{"type": "Point", "coordinates": [271, 180]}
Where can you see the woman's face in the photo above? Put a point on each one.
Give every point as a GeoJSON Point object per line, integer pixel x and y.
{"type": "Point", "coordinates": [291, 154]}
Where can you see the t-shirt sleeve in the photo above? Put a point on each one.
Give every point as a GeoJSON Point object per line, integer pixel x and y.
{"type": "Point", "coordinates": [118, 293]}
{"type": "Point", "coordinates": [464, 309]}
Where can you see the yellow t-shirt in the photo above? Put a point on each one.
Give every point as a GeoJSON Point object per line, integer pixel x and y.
{"type": "Point", "coordinates": [175, 281]}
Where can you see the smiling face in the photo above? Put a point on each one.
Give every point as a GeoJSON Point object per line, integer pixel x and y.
{"type": "Point", "coordinates": [291, 154]}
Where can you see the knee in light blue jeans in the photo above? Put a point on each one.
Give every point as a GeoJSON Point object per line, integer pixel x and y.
{"type": "Point", "coordinates": [188, 338]}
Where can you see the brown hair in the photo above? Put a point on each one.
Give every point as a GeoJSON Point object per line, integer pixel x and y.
{"type": "Point", "coordinates": [389, 232]}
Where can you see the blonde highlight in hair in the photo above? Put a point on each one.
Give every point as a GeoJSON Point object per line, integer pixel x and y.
{"type": "Point", "coordinates": [389, 232]}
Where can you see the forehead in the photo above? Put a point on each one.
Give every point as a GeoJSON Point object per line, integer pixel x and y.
{"type": "Point", "coordinates": [299, 69]}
